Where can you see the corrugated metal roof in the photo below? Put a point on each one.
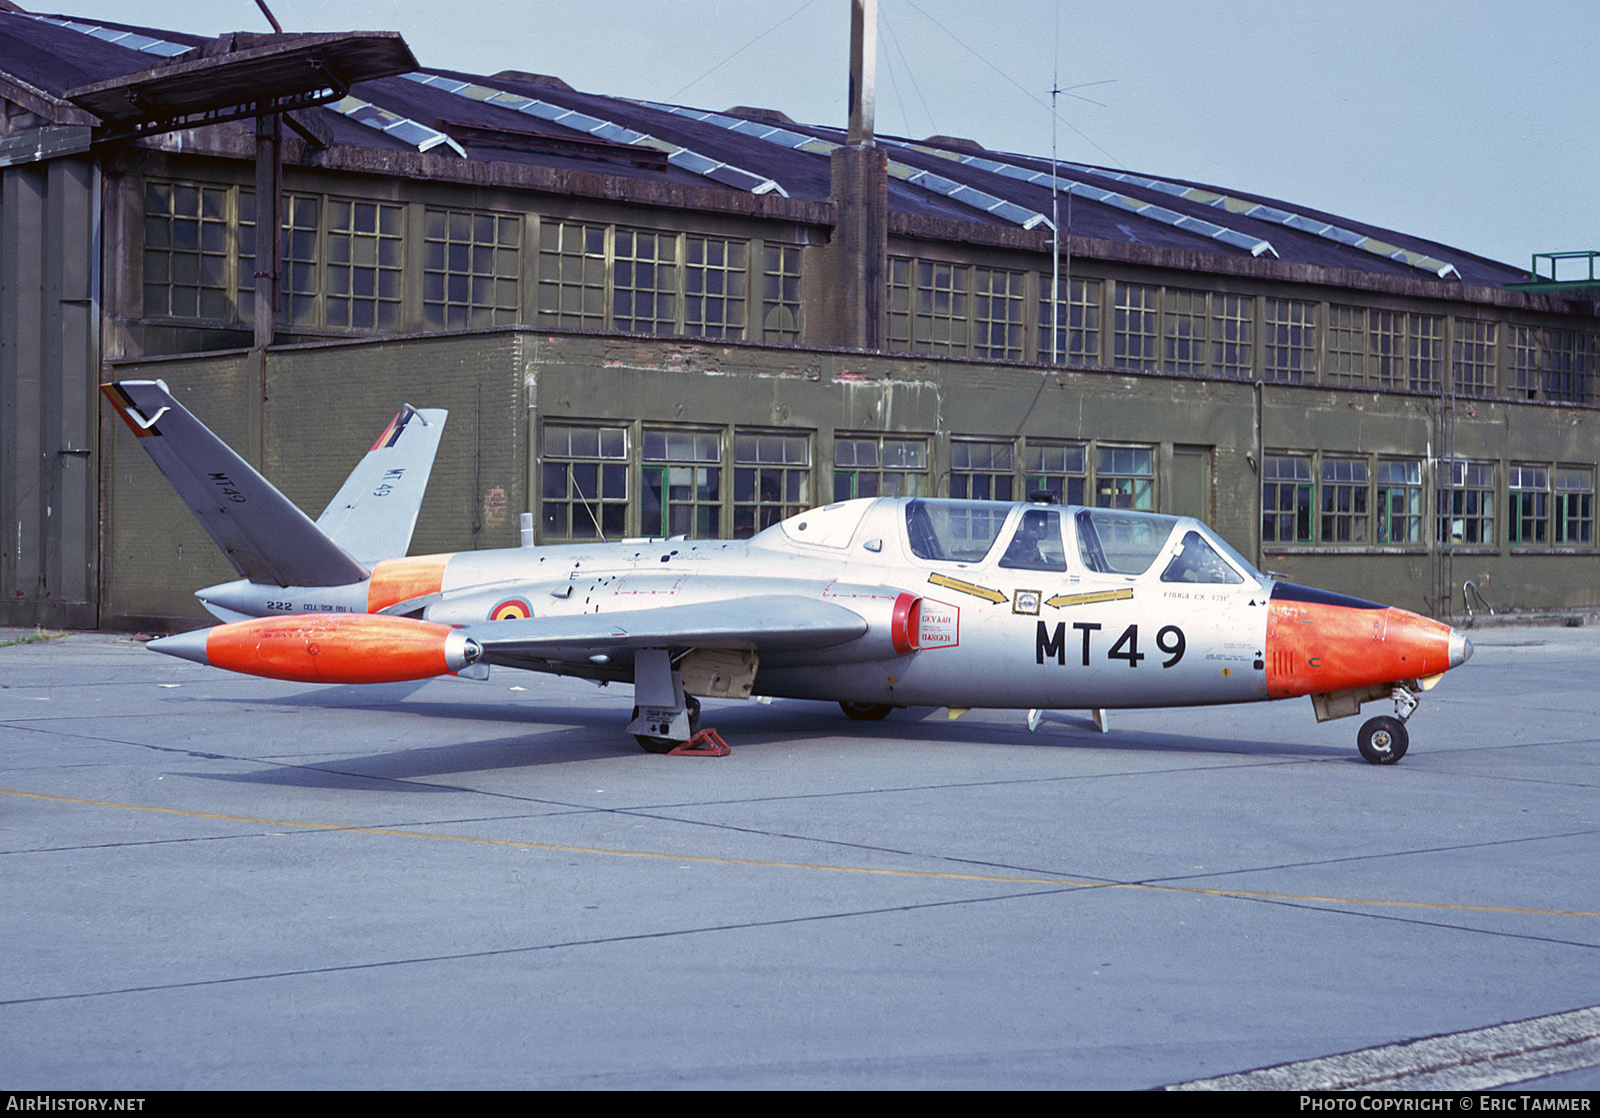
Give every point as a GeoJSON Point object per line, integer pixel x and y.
{"type": "Point", "coordinates": [735, 151]}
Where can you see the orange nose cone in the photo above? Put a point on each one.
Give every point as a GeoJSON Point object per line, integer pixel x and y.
{"type": "Point", "coordinates": [339, 648]}
{"type": "Point", "coordinates": [1315, 647]}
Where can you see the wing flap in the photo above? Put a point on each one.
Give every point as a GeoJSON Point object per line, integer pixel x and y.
{"type": "Point", "coordinates": [768, 622]}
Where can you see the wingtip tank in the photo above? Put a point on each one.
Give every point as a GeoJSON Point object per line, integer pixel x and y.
{"type": "Point", "coordinates": [328, 648]}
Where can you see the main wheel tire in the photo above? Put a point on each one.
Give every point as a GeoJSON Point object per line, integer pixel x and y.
{"type": "Point", "coordinates": [866, 712]}
{"type": "Point", "coordinates": [1383, 740]}
{"type": "Point", "coordinates": [667, 745]}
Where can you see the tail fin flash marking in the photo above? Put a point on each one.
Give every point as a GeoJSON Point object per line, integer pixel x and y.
{"type": "Point", "coordinates": [397, 426]}
{"type": "Point", "coordinates": [140, 426]}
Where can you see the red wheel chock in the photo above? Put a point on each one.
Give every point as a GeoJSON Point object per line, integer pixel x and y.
{"type": "Point", "coordinates": [707, 743]}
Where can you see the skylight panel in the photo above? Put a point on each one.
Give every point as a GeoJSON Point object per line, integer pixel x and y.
{"type": "Point", "coordinates": [1260, 211]}
{"type": "Point", "coordinates": [681, 157]}
{"type": "Point", "coordinates": [412, 132]}
{"type": "Point", "coordinates": [129, 39]}
{"type": "Point", "coordinates": [916, 176]}
{"type": "Point", "coordinates": [1253, 245]}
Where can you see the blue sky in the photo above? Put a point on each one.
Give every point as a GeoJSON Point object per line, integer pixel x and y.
{"type": "Point", "coordinates": [1469, 122]}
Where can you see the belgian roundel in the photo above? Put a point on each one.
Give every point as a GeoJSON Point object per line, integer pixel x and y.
{"type": "Point", "coordinates": [512, 609]}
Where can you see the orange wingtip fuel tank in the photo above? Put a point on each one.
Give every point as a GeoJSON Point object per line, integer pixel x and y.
{"type": "Point", "coordinates": [328, 648]}
{"type": "Point", "coordinates": [1319, 642]}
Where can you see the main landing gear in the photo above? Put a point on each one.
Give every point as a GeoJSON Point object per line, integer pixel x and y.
{"type": "Point", "coordinates": [655, 744]}
{"type": "Point", "coordinates": [1383, 740]}
{"type": "Point", "coordinates": [865, 712]}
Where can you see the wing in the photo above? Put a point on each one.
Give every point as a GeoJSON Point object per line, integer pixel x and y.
{"type": "Point", "coordinates": [761, 623]}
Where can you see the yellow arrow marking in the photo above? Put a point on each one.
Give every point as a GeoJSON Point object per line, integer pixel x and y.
{"type": "Point", "coordinates": [972, 588]}
{"type": "Point", "coordinates": [1090, 598]}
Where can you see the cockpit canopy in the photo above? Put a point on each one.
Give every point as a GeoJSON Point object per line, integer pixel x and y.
{"type": "Point", "coordinates": [1032, 537]}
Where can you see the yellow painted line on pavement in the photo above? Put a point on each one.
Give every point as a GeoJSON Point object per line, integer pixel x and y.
{"type": "Point", "coordinates": [703, 859]}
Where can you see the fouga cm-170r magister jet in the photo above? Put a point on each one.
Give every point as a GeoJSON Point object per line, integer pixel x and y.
{"type": "Point", "coordinates": [874, 603]}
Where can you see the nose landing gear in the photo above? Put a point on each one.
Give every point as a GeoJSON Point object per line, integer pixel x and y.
{"type": "Point", "coordinates": [1383, 740]}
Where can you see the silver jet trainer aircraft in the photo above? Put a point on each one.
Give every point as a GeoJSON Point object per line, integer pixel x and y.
{"type": "Point", "coordinates": [874, 603]}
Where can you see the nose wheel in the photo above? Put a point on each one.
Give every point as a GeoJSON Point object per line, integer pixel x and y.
{"type": "Point", "coordinates": [1383, 740]}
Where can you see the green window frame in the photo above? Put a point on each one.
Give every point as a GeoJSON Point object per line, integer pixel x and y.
{"type": "Point", "coordinates": [680, 491]}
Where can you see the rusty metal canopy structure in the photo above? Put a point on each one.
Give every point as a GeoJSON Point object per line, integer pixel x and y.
{"type": "Point", "coordinates": [240, 76]}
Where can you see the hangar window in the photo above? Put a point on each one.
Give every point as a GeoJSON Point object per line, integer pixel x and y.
{"type": "Point", "coordinates": [1397, 500]}
{"type": "Point", "coordinates": [1466, 503]}
{"type": "Point", "coordinates": [1474, 357]}
{"type": "Point", "coordinates": [1061, 469]}
{"type": "Point", "coordinates": [472, 268]}
{"type": "Point", "coordinates": [644, 282]}
{"type": "Point", "coordinates": [771, 479]}
{"type": "Point", "coordinates": [1233, 319]}
{"type": "Point", "coordinates": [879, 466]}
{"type": "Point", "coordinates": [997, 303]}
{"type": "Point", "coordinates": [1528, 488]}
{"type": "Point", "coordinates": [1550, 364]}
{"type": "Point", "coordinates": [1344, 500]}
{"type": "Point", "coordinates": [1184, 331]}
{"type": "Point", "coordinates": [1346, 361]}
{"type": "Point", "coordinates": [191, 252]}
{"type": "Point", "coordinates": [780, 299]}
{"type": "Point", "coordinates": [1574, 506]}
{"type": "Point", "coordinates": [1289, 340]}
{"type": "Point", "coordinates": [681, 490]}
{"type": "Point", "coordinates": [940, 322]}
{"type": "Point", "coordinates": [572, 275]}
{"type": "Point", "coordinates": [1077, 317]}
{"type": "Point", "coordinates": [1550, 506]}
{"type": "Point", "coordinates": [983, 471]}
{"type": "Point", "coordinates": [298, 280]}
{"type": "Point", "coordinates": [1286, 498]}
{"type": "Point", "coordinates": [1407, 350]}
{"type": "Point", "coordinates": [1424, 352]}
{"type": "Point", "coordinates": [1125, 477]}
{"type": "Point", "coordinates": [583, 482]}
{"type": "Point", "coordinates": [936, 306]}
{"type": "Point", "coordinates": [1135, 326]}
{"type": "Point", "coordinates": [1570, 360]}
{"type": "Point", "coordinates": [716, 287]}
{"type": "Point", "coordinates": [364, 253]}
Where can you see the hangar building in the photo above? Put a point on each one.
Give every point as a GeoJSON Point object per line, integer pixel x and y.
{"type": "Point", "coordinates": [651, 319]}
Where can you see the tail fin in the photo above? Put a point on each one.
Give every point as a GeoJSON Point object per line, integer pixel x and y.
{"type": "Point", "coordinates": [259, 530]}
{"type": "Point", "coordinates": [375, 511]}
